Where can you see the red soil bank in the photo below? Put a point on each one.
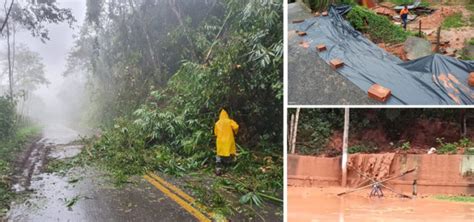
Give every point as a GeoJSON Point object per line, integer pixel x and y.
{"type": "Point", "coordinates": [435, 174]}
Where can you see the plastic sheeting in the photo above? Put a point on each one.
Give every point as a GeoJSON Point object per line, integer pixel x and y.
{"type": "Point", "coordinates": [431, 80]}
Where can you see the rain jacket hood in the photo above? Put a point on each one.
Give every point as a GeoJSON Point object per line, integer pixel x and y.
{"type": "Point", "coordinates": [225, 129]}
{"type": "Point", "coordinates": [223, 115]}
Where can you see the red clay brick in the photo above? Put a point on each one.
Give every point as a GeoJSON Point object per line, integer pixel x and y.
{"type": "Point", "coordinates": [379, 93]}
{"type": "Point", "coordinates": [325, 13]}
{"type": "Point", "coordinates": [321, 47]}
{"type": "Point", "coordinates": [297, 21]}
{"type": "Point", "coordinates": [471, 79]}
{"type": "Point", "coordinates": [300, 33]}
{"type": "Point", "coordinates": [336, 63]}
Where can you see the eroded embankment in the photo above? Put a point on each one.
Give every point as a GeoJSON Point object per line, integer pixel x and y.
{"type": "Point", "coordinates": [435, 174]}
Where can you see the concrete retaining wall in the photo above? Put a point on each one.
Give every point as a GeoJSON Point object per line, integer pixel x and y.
{"type": "Point", "coordinates": [435, 174]}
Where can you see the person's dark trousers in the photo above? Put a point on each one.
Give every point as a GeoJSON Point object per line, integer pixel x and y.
{"type": "Point", "coordinates": [223, 162]}
{"type": "Point", "coordinates": [404, 21]}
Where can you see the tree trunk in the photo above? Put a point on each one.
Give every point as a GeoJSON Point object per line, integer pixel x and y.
{"type": "Point", "coordinates": [345, 142]}
{"type": "Point", "coordinates": [10, 70]}
{"type": "Point", "coordinates": [7, 15]}
{"type": "Point", "coordinates": [438, 39]}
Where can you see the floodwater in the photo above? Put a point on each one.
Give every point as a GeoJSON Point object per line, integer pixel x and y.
{"type": "Point", "coordinates": [322, 204]}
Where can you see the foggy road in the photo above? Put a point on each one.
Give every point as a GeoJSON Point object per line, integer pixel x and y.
{"type": "Point", "coordinates": [89, 194]}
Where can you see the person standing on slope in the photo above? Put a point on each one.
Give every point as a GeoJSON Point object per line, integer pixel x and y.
{"type": "Point", "coordinates": [224, 130]}
{"type": "Point", "coordinates": [404, 17]}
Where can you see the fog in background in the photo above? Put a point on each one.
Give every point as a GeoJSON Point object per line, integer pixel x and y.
{"type": "Point", "coordinates": [59, 102]}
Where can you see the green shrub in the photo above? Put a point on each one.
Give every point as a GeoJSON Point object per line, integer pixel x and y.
{"type": "Point", "coordinates": [379, 28]}
{"type": "Point", "coordinates": [406, 146]}
{"type": "Point", "coordinates": [465, 142]}
{"type": "Point", "coordinates": [471, 41]}
{"type": "Point", "coordinates": [446, 148]}
{"type": "Point", "coordinates": [362, 148]}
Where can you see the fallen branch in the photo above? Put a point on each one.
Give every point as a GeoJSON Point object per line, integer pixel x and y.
{"type": "Point", "coordinates": [246, 188]}
{"type": "Point", "coordinates": [217, 37]}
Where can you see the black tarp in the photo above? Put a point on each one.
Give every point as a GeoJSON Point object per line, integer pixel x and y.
{"type": "Point", "coordinates": [431, 80]}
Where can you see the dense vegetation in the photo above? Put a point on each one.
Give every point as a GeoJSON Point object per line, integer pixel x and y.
{"type": "Point", "coordinates": [7, 117]}
{"type": "Point", "coordinates": [379, 28]}
{"type": "Point", "coordinates": [159, 72]}
{"type": "Point", "coordinates": [316, 126]}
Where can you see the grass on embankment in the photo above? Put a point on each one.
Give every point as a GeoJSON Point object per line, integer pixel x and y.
{"type": "Point", "coordinates": [379, 28]}
{"type": "Point", "coordinates": [465, 199]}
{"type": "Point", "coordinates": [453, 21]}
{"type": "Point", "coordinates": [9, 147]}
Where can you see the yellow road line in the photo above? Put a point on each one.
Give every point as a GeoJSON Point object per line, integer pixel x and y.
{"type": "Point", "coordinates": [193, 211]}
{"type": "Point", "coordinates": [182, 194]}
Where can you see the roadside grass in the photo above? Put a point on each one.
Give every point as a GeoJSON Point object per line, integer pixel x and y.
{"type": "Point", "coordinates": [453, 21]}
{"type": "Point", "coordinates": [9, 147]}
{"type": "Point", "coordinates": [466, 199]}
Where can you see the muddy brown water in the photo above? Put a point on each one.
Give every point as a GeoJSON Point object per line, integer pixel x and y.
{"type": "Point", "coordinates": [322, 204]}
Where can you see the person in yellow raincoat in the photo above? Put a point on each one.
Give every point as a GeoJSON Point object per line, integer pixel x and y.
{"type": "Point", "coordinates": [224, 130]}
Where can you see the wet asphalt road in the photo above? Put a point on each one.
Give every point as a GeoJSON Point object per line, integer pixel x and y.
{"type": "Point", "coordinates": [311, 81]}
{"type": "Point", "coordinates": [97, 198]}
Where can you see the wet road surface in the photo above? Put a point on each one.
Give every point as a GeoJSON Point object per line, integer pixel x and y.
{"type": "Point", "coordinates": [322, 204]}
{"type": "Point", "coordinates": [92, 197]}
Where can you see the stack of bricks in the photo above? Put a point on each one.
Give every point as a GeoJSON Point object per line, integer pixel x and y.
{"type": "Point", "coordinates": [336, 63]}
{"type": "Point", "coordinates": [297, 21]}
{"type": "Point", "coordinates": [471, 79]}
{"type": "Point", "coordinates": [379, 93]}
{"type": "Point", "coordinates": [300, 33]}
{"type": "Point", "coordinates": [321, 48]}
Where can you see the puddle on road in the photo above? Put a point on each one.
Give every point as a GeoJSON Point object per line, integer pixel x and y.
{"type": "Point", "coordinates": [48, 201]}
{"type": "Point", "coordinates": [97, 198]}
{"type": "Point", "coordinates": [49, 192]}
{"type": "Point", "coordinates": [316, 204]}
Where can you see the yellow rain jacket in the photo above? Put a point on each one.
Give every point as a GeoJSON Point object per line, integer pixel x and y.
{"type": "Point", "coordinates": [224, 130]}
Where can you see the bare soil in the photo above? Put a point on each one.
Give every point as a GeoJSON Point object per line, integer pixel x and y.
{"type": "Point", "coordinates": [421, 134]}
